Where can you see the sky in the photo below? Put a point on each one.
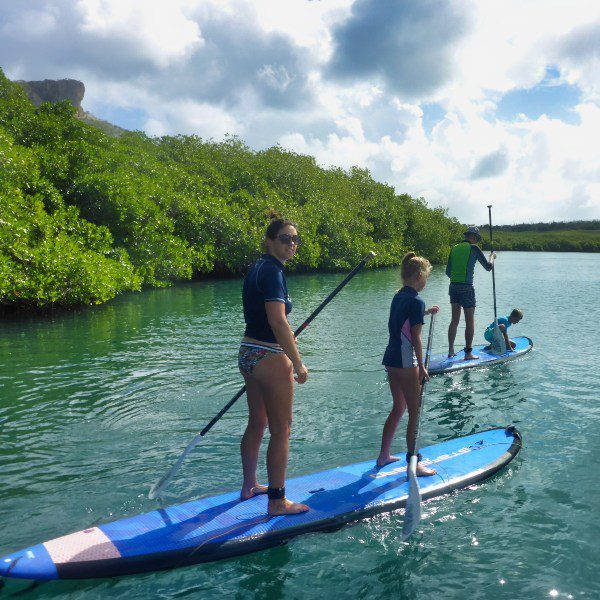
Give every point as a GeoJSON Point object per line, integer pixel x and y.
{"type": "Point", "coordinates": [462, 103]}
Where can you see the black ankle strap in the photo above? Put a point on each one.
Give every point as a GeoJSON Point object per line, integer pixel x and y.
{"type": "Point", "coordinates": [409, 454]}
{"type": "Point", "coordinates": [276, 493]}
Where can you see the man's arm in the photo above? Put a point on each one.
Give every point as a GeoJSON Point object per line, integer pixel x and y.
{"type": "Point", "coordinates": [485, 263]}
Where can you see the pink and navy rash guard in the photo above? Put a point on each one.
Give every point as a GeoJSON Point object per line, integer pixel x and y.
{"type": "Point", "coordinates": [407, 309]}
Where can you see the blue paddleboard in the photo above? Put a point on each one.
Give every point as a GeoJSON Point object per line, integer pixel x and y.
{"type": "Point", "coordinates": [440, 363]}
{"type": "Point", "coordinates": [221, 526]}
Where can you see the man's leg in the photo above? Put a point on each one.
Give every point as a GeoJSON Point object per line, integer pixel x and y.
{"type": "Point", "coordinates": [452, 328]}
{"type": "Point", "coordinates": [469, 333]}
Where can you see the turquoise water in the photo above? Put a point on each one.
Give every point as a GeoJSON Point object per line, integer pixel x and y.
{"type": "Point", "coordinates": [95, 405]}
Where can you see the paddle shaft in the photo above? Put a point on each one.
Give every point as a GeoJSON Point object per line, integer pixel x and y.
{"type": "Point", "coordinates": [412, 514]}
{"type": "Point", "coordinates": [298, 331]}
{"type": "Point", "coordinates": [493, 266]}
{"type": "Point", "coordinates": [422, 394]}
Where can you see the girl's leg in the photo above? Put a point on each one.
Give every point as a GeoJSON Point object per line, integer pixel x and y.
{"type": "Point", "coordinates": [250, 445]}
{"type": "Point", "coordinates": [274, 374]}
{"type": "Point", "coordinates": [411, 387]}
{"type": "Point", "coordinates": [391, 423]}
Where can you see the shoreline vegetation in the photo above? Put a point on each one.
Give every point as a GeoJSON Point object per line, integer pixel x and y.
{"type": "Point", "coordinates": [569, 236]}
{"type": "Point", "coordinates": [85, 216]}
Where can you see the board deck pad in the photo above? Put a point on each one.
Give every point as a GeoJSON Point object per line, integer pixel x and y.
{"type": "Point", "coordinates": [221, 526]}
{"type": "Point", "coordinates": [440, 363]}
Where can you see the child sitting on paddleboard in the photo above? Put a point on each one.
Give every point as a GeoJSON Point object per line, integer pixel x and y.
{"type": "Point", "coordinates": [403, 358]}
{"type": "Point", "coordinates": [503, 324]}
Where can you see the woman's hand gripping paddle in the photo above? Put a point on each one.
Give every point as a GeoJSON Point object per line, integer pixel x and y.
{"type": "Point", "coordinates": [412, 514]}
{"type": "Point", "coordinates": [162, 483]}
{"type": "Point", "coordinates": [498, 343]}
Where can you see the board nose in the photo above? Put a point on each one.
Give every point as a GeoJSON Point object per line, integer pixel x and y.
{"type": "Point", "coordinates": [32, 563]}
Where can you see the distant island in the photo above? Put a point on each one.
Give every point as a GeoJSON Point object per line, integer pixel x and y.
{"type": "Point", "coordinates": [90, 210]}
{"type": "Point", "coordinates": [559, 236]}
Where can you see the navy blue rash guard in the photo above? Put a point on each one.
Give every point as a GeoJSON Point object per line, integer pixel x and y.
{"type": "Point", "coordinates": [264, 282]}
{"type": "Point", "coordinates": [408, 309]}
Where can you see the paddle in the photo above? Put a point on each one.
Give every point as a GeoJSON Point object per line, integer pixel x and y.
{"type": "Point", "coordinates": [412, 515]}
{"type": "Point", "coordinates": [498, 345]}
{"type": "Point", "coordinates": [165, 480]}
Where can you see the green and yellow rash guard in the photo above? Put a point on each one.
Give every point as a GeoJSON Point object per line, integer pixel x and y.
{"type": "Point", "coordinates": [461, 262]}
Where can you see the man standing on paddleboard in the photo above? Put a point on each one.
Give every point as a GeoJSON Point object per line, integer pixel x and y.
{"type": "Point", "coordinates": [460, 267]}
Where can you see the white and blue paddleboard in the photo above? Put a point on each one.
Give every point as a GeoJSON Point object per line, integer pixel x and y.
{"type": "Point", "coordinates": [221, 526]}
{"type": "Point", "coordinates": [440, 363]}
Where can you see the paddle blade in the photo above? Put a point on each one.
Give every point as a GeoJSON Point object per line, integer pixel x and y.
{"type": "Point", "coordinates": [498, 344]}
{"type": "Point", "coordinates": [162, 483]}
{"type": "Point", "coordinates": [412, 516]}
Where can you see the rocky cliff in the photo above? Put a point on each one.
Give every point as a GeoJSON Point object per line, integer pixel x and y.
{"type": "Point", "coordinates": [56, 90]}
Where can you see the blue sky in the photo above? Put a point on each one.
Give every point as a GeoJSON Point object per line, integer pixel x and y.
{"type": "Point", "coordinates": [460, 102]}
{"type": "Point", "coordinates": [552, 97]}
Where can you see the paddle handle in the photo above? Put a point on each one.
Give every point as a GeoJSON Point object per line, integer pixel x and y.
{"type": "Point", "coordinates": [493, 266]}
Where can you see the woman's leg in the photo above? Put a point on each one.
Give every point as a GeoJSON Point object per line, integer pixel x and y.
{"type": "Point", "coordinates": [411, 388]}
{"type": "Point", "coordinates": [274, 374]}
{"type": "Point", "coordinates": [391, 423]}
{"type": "Point", "coordinates": [250, 445]}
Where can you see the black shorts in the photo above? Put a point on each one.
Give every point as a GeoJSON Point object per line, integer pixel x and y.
{"type": "Point", "coordinates": [463, 294]}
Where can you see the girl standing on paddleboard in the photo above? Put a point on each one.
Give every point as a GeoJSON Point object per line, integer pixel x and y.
{"type": "Point", "coordinates": [268, 358]}
{"type": "Point", "coordinates": [403, 357]}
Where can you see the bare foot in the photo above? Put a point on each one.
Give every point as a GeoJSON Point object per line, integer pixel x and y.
{"type": "Point", "coordinates": [451, 353]}
{"type": "Point", "coordinates": [386, 460]}
{"type": "Point", "coordinates": [255, 490]}
{"type": "Point", "coordinates": [423, 471]}
{"type": "Point", "coordinates": [471, 356]}
{"type": "Point", "coordinates": [285, 507]}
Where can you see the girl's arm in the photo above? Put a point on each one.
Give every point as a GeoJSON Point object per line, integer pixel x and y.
{"type": "Point", "coordinates": [285, 337]}
{"type": "Point", "coordinates": [433, 310]}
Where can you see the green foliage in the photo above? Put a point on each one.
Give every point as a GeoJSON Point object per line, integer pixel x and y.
{"type": "Point", "coordinates": [85, 216]}
{"type": "Point", "coordinates": [48, 254]}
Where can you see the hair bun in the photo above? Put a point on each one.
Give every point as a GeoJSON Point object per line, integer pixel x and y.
{"type": "Point", "coordinates": [273, 215]}
{"type": "Point", "coordinates": [408, 256]}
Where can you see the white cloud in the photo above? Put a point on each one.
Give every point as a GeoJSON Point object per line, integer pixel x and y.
{"type": "Point", "coordinates": [162, 30]}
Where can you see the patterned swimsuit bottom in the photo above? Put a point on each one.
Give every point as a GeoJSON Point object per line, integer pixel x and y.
{"type": "Point", "coordinates": [250, 354]}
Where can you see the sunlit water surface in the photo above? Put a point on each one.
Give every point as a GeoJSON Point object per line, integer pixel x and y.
{"type": "Point", "coordinates": [96, 404]}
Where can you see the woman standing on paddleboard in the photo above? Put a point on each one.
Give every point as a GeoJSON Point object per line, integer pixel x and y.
{"type": "Point", "coordinates": [268, 358]}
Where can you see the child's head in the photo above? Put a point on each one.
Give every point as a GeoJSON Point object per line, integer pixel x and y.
{"type": "Point", "coordinates": [415, 270]}
{"type": "Point", "coordinates": [515, 316]}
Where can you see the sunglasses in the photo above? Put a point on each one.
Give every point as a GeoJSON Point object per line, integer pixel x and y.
{"type": "Point", "coordinates": [286, 238]}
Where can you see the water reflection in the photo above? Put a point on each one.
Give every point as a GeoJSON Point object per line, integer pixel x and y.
{"type": "Point", "coordinates": [266, 577]}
